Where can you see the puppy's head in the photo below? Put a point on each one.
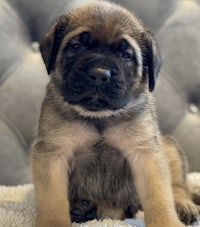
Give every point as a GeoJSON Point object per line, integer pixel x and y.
{"type": "Point", "coordinates": [101, 58]}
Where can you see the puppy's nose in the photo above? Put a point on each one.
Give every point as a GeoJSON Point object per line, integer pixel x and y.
{"type": "Point", "coordinates": [99, 75]}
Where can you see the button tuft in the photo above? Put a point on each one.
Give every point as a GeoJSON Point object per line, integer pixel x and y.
{"type": "Point", "coordinates": [193, 108]}
{"type": "Point", "coordinates": [35, 46]}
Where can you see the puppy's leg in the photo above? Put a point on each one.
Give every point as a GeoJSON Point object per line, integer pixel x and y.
{"type": "Point", "coordinates": [188, 212]}
{"type": "Point", "coordinates": [152, 180]}
{"type": "Point", "coordinates": [51, 189]}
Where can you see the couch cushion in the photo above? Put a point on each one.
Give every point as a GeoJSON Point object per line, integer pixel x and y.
{"type": "Point", "coordinates": [13, 39]}
{"type": "Point", "coordinates": [20, 99]}
{"type": "Point", "coordinates": [38, 16]}
{"type": "Point", "coordinates": [14, 162]}
{"type": "Point", "coordinates": [180, 47]}
{"type": "Point", "coordinates": [153, 13]}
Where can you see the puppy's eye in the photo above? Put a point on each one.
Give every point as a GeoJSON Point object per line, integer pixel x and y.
{"type": "Point", "coordinates": [76, 46]}
{"type": "Point", "coordinates": [126, 55]}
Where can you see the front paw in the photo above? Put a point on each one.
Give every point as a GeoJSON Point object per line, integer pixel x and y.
{"type": "Point", "coordinates": [187, 211]}
{"type": "Point", "coordinates": [82, 211]}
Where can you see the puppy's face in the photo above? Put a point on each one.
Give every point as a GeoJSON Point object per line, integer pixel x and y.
{"type": "Point", "coordinates": [98, 75]}
{"type": "Point", "coordinates": [101, 57]}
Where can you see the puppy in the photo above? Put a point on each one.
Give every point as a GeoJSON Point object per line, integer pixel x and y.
{"type": "Point", "coordinates": [98, 139]}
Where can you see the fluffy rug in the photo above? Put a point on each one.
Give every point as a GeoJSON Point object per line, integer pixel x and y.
{"type": "Point", "coordinates": [17, 207]}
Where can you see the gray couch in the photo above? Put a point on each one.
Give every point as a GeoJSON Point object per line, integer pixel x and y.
{"type": "Point", "coordinates": [176, 25]}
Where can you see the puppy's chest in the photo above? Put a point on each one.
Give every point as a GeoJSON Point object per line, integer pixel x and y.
{"type": "Point", "coordinates": [101, 173]}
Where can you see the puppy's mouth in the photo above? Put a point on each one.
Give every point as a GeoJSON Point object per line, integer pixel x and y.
{"type": "Point", "coordinates": [96, 87]}
{"type": "Point", "coordinates": [90, 100]}
{"type": "Point", "coordinates": [93, 98]}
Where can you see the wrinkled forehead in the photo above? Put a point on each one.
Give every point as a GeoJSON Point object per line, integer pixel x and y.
{"type": "Point", "coordinates": [106, 22]}
{"type": "Point", "coordinates": [109, 24]}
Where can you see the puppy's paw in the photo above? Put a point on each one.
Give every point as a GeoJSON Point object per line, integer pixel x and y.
{"type": "Point", "coordinates": [82, 211]}
{"type": "Point", "coordinates": [187, 211]}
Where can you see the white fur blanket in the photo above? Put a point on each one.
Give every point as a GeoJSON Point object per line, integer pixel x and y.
{"type": "Point", "coordinates": [17, 207]}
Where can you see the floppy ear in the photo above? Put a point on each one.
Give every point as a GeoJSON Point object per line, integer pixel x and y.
{"type": "Point", "coordinates": [152, 60]}
{"type": "Point", "coordinates": [49, 46]}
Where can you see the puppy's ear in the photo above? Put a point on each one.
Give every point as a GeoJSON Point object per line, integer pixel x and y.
{"type": "Point", "coordinates": [50, 44]}
{"type": "Point", "coordinates": [152, 60]}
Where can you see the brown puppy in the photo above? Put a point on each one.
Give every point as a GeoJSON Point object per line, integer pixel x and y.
{"type": "Point", "coordinates": [98, 138]}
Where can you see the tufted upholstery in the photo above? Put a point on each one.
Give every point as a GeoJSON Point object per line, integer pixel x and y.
{"type": "Point", "coordinates": [176, 24]}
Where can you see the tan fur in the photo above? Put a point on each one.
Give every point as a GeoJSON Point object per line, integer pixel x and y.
{"type": "Point", "coordinates": [51, 154]}
{"type": "Point", "coordinates": [178, 170]}
{"type": "Point", "coordinates": [145, 154]}
{"type": "Point", "coordinates": [51, 191]}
